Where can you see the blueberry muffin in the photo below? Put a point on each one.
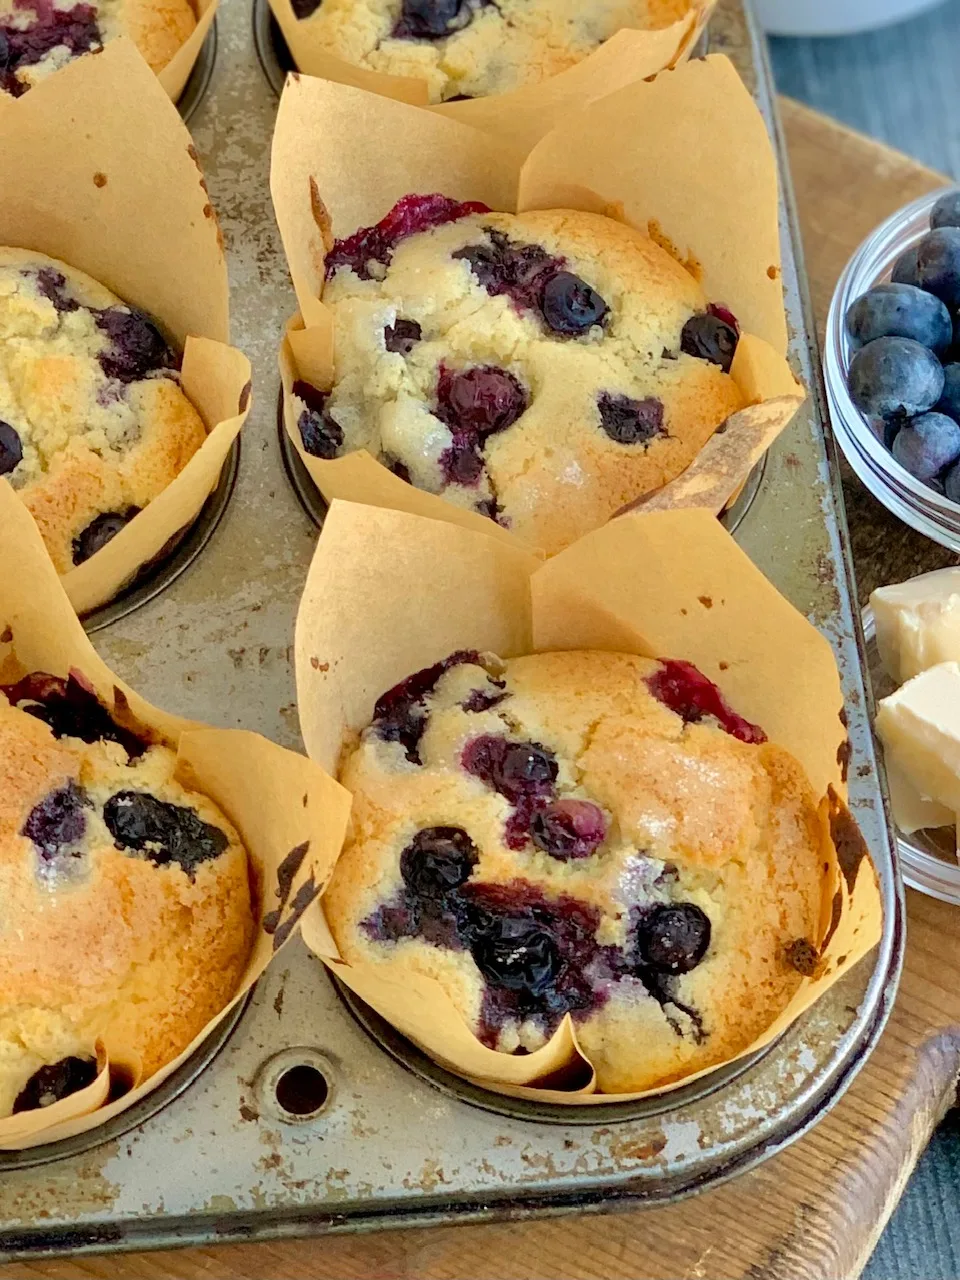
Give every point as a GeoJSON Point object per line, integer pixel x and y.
{"type": "Point", "coordinates": [586, 833]}
{"type": "Point", "coordinates": [40, 36]}
{"type": "Point", "coordinates": [471, 48]}
{"type": "Point", "coordinates": [93, 423]}
{"type": "Point", "coordinates": [543, 369]}
{"type": "Point", "coordinates": [125, 910]}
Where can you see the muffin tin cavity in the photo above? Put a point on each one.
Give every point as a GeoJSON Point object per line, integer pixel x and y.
{"type": "Point", "coordinates": [176, 557]}
{"type": "Point", "coordinates": [198, 83]}
{"type": "Point", "coordinates": [276, 60]}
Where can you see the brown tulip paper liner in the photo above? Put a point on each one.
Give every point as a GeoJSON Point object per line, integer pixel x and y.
{"type": "Point", "coordinates": [174, 76]}
{"type": "Point", "coordinates": [102, 174]}
{"type": "Point", "coordinates": [685, 158]}
{"type": "Point", "coordinates": [389, 593]}
{"type": "Point", "coordinates": [290, 815]}
{"type": "Point", "coordinates": [631, 54]}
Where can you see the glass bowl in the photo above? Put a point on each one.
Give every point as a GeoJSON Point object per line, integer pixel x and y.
{"type": "Point", "coordinates": [928, 857]}
{"type": "Point", "coordinates": [909, 499]}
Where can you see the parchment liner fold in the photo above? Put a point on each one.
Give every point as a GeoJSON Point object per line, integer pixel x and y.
{"type": "Point", "coordinates": [99, 171]}
{"type": "Point", "coordinates": [684, 157]}
{"type": "Point", "coordinates": [389, 593]}
{"type": "Point", "coordinates": [290, 815]}
{"type": "Point", "coordinates": [631, 54]}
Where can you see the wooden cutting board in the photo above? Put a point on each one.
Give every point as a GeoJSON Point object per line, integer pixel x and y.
{"type": "Point", "coordinates": [815, 1211]}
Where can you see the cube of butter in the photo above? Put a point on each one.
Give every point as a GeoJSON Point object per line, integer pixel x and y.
{"type": "Point", "coordinates": [918, 623]}
{"type": "Point", "coordinates": [912, 810]}
{"type": "Point", "coordinates": [919, 726]}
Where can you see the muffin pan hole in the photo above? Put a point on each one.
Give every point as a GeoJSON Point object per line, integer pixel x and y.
{"type": "Point", "coordinates": [198, 82]}
{"type": "Point", "coordinates": [177, 556]}
{"type": "Point", "coordinates": [315, 505]}
{"type": "Point", "coordinates": [296, 1086]}
{"type": "Point", "coordinates": [416, 1061]}
{"type": "Point", "coordinates": [272, 50]}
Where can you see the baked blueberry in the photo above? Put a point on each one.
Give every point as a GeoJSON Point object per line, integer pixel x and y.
{"type": "Point", "coordinates": [165, 832]}
{"type": "Point", "coordinates": [927, 444]}
{"type": "Point", "coordinates": [688, 693]}
{"type": "Point", "coordinates": [514, 769]}
{"type": "Point", "coordinates": [895, 377]}
{"type": "Point", "coordinates": [304, 8]}
{"type": "Point", "coordinates": [58, 821]}
{"type": "Point", "coordinates": [946, 212]}
{"type": "Point", "coordinates": [54, 1081]}
{"type": "Point", "coordinates": [516, 953]}
{"type": "Point", "coordinates": [570, 306]}
{"type": "Point", "coordinates": [136, 348]}
{"type": "Point", "coordinates": [402, 336]}
{"type": "Point", "coordinates": [569, 829]}
{"type": "Point", "coordinates": [710, 337]}
{"type": "Point", "coordinates": [629, 421]}
{"type": "Point", "coordinates": [370, 246]}
{"type": "Point", "coordinates": [71, 710]}
{"type": "Point", "coordinates": [673, 938]}
{"type": "Point", "coordinates": [75, 29]}
{"type": "Point", "coordinates": [480, 401]}
{"type": "Point", "coordinates": [505, 267]}
{"type": "Point", "coordinates": [949, 402]}
{"type": "Point", "coordinates": [320, 434]}
{"type": "Point", "coordinates": [938, 264]}
{"type": "Point", "coordinates": [399, 714]}
{"type": "Point", "coordinates": [99, 532]}
{"type": "Point", "coordinates": [461, 463]}
{"type": "Point", "coordinates": [438, 860]}
{"type": "Point", "coordinates": [52, 285]}
{"type": "Point", "coordinates": [900, 311]}
{"type": "Point", "coordinates": [11, 449]}
{"type": "Point", "coordinates": [431, 19]}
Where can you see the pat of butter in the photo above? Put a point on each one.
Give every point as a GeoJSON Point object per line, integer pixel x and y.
{"type": "Point", "coordinates": [918, 623]}
{"type": "Point", "coordinates": [911, 810]}
{"type": "Point", "coordinates": [919, 726]}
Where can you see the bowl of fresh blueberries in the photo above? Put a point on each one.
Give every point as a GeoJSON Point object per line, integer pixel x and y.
{"type": "Point", "coordinates": [892, 365]}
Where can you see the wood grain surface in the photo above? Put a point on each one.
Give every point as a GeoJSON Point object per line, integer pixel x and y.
{"type": "Point", "coordinates": [815, 1211]}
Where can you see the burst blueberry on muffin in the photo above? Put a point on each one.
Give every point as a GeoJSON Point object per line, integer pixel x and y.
{"type": "Point", "coordinates": [40, 36]}
{"type": "Point", "coordinates": [543, 369]}
{"type": "Point", "coordinates": [125, 911]}
{"type": "Point", "coordinates": [586, 833]}
{"type": "Point", "coordinates": [93, 423]}
{"type": "Point", "coordinates": [471, 48]}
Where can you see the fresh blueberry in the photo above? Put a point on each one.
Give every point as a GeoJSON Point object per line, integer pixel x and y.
{"type": "Point", "coordinates": [504, 267]}
{"type": "Point", "coordinates": [895, 377]}
{"type": "Point", "coordinates": [437, 860]}
{"type": "Point", "coordinates": [568, 829]}
{"type": "Point", "coordinates": [321, 435]}
{"type": "Point", "coordinates": [55, 1081]}
{"type": "Point", "coordinates": [71, 710]}
{"type": "Point", "coordinates": [938, 264]}
{"type": "Point", "coordinates": [100, 531]}
{"type": "Point", "coordinates": [709, 337]}
{"type": "Point", "coordinates": [900, 311]}
{"type": "Point", "coordinates": [630, 421]}
{"type": "Point", "coordinates": [936, 483]}
{"type": "Point", "coordinates": [673, 939]}
{"type": "Point", "coordinates": [905, 269]}
{"type": "Point", "coordinates": [946, 212]}
{"type": "Point", "coordinates": [570, 306]}
{"type": "Point", "coordinates": [514, 769]}
{"type": "Point", "coordinates": [165, 832]}
{"type": "Point", "coordinates": [402, 336]}
{"type": "Point", "coordinates": [431, 19]}
{"type": "Point", "coordinates": [480, 401]}
{"type": "Point", "coordinates": [690, 695]}
{"type": "Point", "coordinates": [58, 821]}
{"type": "Point", "coordinates": [136, 345]}
{"type": "Point", "coordinates": [927, 444]}
{"type": "Point", "coordinates": [11, 449]}
{"type": "Point", "coordinates": [951, 483]}
{"type": "Point", "coordinates": [949, 402]}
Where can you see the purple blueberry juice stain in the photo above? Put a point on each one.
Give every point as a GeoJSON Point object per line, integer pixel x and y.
{"type": "Point", "coordinates": [628, 421]}
{"type": "Point", "coordinates": [478, 700]}
{"type": "Point", "coordinates": [507, 268]}
{"type": "Point", "coordinates": [71, 710]}
{"type": "Point", "coordinates": [52, 285]}
{"type": "Point", "coordinates": [525, 773]}
{"type": "Point", "coordinates": [76, 29]}
{"type": "Point", "coordinates": [408, 217]}
{"type": "Point", "coordinates": [58, 822]}
{"type": "Point", "coordinates": [687, 692]}
{"type": "Point", "coordinates": [399, 714]}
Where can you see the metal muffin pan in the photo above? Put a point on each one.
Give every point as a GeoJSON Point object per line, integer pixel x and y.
{"type": "Point", "coordinates": [369, 1143]}
{"type": "Point", "coordinates": [199, 79]}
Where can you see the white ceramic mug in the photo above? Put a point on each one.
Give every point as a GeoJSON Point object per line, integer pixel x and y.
{"type": "Point", "coordinates": [833, 17]}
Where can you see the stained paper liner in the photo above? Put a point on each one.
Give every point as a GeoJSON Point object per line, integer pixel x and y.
{"type": "Point", "coordinates": [101, 173]}
{"type": "Point", "coordinates": [174, 76]}
{"type": "Point", "coordinates": [631, 54]}
{"type": "Point", "coordinates": [685, 158]}
{"type": "Point", "coordinates": [290, 815]}
{"type": "Point", "coordinates": [389, 593]}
